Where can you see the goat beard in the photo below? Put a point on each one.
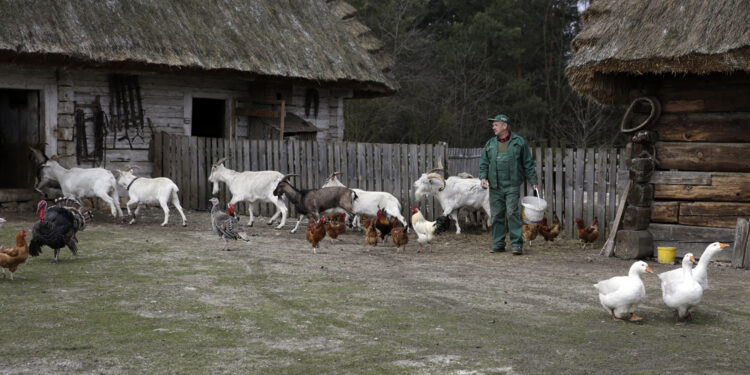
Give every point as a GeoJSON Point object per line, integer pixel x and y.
{"type": "Point", "coordinates": [420, 194]}
{"type": "Point", "coordinates": [216, 189]}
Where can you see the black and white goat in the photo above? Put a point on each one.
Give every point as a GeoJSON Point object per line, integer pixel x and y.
{"type": "Point", "coordinates": [369, 202]}
{"type": "Point", "coordinates": [312, 202]}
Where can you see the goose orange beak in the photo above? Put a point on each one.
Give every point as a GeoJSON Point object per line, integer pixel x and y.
{"type": "Point", "coordinates": [723, 245]}
{"type": "Point", "coordinates": [648, 269]}
{"type": "Point", "coordinates": [692, 259]}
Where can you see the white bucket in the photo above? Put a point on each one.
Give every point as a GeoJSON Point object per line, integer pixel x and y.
{"type": "Point", "coordinates": [532, 209]}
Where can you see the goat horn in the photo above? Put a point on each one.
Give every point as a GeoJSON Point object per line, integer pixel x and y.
{"type": "Point", "coordinates": [131, 167]}
{"type": "Point", "coordinates": [439, 169]}
{"type": "Point", "coordinates": [54, 157]}
{"type": "Point", "coordinates": [435, 175]}
{"type": "Point", "coordinates": [221, 160]}
{"type": "Point", "coordinates": [286, 177]}
{"type": "Point", "coordinates": [334, 174]}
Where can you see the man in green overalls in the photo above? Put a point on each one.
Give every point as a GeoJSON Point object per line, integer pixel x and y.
{"type": "Point", "coordinates": [505, 163]}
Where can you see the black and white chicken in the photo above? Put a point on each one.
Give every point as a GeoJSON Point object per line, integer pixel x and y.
{"type": "Point", "coordinates": [58, 225]}
{"type": "Point", "coordinates": [225, 226]}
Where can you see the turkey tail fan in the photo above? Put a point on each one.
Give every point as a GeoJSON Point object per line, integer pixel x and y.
{"type": "Point", "coordinates": [69, 203]}
{"type": "Point", "coordinates": [81, 218]}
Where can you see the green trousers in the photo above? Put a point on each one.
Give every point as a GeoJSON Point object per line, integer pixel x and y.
{"type": "Point", "coordinates": [504, 202]}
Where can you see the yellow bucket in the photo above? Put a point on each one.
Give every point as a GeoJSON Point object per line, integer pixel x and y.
{"type": "Point", "coordinates": [665, 255]}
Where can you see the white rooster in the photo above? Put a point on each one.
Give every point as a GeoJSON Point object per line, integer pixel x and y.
{"type": "Point", "coordinates": [427, 230]}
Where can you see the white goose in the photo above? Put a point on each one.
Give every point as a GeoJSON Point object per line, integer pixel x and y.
{"type": "Point", "coordinates": [699, 272]}
{"type": "Point", "coordinates": [620, 295]}
{"type": "Point", "coordinates": [684, 294]}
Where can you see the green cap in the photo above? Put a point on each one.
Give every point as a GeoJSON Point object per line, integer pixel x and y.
{"type": "Point", "coordinates": [501, 118]}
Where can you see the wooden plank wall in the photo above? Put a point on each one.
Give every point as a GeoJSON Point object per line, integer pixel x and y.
{"type": "Point", "coordinates": [701, 187]}
{"type": "Point", "coordinates": [574, 182]}
{"type": "Point", "coordinates": [368, 166]}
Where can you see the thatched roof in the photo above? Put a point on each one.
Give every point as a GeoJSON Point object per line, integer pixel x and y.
{"type": "Point", "coordinates": [277, 39]}
{"type": "Point", "coordinates": [622, 39]}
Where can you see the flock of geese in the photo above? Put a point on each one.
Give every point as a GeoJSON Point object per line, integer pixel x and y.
{"type": "Point", "coordinates": [681, 289]}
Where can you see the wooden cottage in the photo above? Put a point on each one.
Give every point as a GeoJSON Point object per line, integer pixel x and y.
{"type": "Point", "coordinates": [693, 57]}
{"type": "Point", "coordinates": [93, 80]}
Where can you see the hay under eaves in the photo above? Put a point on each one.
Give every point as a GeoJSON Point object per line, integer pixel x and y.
{"type": "Point", "coordinates": [622, 39]}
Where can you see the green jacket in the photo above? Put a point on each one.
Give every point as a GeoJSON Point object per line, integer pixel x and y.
{"type": "Point", "coordinates": [522, 166]}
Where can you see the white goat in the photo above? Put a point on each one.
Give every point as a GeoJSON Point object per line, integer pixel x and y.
{"type": "Point", "coordinates": [79, 183]}
{"type": "Point", "coordinates": [151, 191]}
{"type": "Point", "coordinates": [367, 202]}
{"type": "Point", "coordinates": [453, 193]}
{"type": "Point", "coordinates": [250, 187]}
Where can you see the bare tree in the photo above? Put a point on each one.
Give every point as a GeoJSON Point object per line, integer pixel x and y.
{"type": "Point", "coordinates": [588, 123]}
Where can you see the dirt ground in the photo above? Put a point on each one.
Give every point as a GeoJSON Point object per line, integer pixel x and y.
{"type": "Point", "coordinates": [271, 306]}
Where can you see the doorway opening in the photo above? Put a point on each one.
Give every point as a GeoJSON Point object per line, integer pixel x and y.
{"type": "Point", "coordinates": [208, 118]}
{"type": "Point", "coordinates": [19, 128]}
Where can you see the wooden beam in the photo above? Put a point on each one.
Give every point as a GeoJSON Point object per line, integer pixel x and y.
{"type": "Point", "coordinates": [686, 233]}
{"type": "Point", "coordinates": [681, 178]}
{"type": "Point", "coordinates": [724, 98]}
{"type": "Point", "coordinates": [725, 187]}
{"type": "Point", "coordinates": [703, 127]}
{"type": "Point", "coordinates": [714, 209]}
{"type": "Point", "coordinates": [664, 212]}
{"type": "Point", "coordinates": [740, 238]}
{"type": "Point", "coordinates": [703, 156]}
{"type": "Point", "coordinates": [709, 221]}
{"type": "Point", "coordinates": [258, 113]}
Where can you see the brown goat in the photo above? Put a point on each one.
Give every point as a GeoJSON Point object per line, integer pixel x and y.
{"type": "Point", "coordinates": [311, 202]}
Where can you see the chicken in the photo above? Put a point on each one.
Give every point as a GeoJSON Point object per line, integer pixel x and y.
{"type": "Point", "coordinates": [316, 232]}
{"type": "Point", "coordinates": [225, 226]}
{"type": "Point", "coordinates": [427, 230]}
{"type": "Point", "coordinates": [366, 221]}
{"type": "Point", "coordinates": [57, 226]}
{"type": "Point", "coordinates": [587, 234]}
{"type": "Point", "coordinates": [335, 225]}
{"type": "Point", "coordinates": [12, 257]}
{"type": "Point", "coordinates": [372, 234]}
{"type": "Point", "coordinates": [398, 235]}
{"type": "Point", "coordinates": [530, 231]}
{"type": "Point", "coordinates": [383, 224]}
{"type": "Point", "coordinates": [550, 233]}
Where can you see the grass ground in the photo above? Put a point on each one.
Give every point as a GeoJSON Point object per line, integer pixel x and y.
{"type": "Point", "coordinates": [146, 299]}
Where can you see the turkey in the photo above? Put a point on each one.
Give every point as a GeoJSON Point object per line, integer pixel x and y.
{"type": "Point", "coordinates": [58, 225]}
{"type": "Point", "coordinates": [227, 227]}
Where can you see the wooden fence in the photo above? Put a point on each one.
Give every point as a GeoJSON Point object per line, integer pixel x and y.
{"type": "Point", "coordinates": [368, 166]}
{"type": "Point", "coordinates": [575, 182]}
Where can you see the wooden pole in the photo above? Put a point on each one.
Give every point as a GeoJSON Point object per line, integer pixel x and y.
{"type": "Point", "coordinates": [609, 247]}
{"type": "Point", "coordinates": [281, 120]}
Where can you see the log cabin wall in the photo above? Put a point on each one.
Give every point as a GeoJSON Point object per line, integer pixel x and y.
{"type": "Point", "coordinates": [703, 180]}
{"type": "Point", "coordinates": [166, 100]}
